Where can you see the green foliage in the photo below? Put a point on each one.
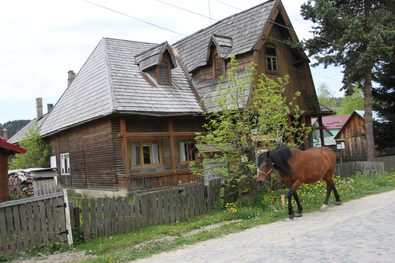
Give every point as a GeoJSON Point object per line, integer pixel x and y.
{"type": "Point", "coordinates": [37, 152]}
{"type": "Point", "coordinates": [352, 102]}
{"type": "Point", "coordinates": [327, 98]}
{"type": "Point", "coordinates": [384, 104]}
{"type": "Point", "coordinates": [13, 126]}
{"type": "Point", "coordinates": [241, 122]}
{"type": "Point", "coordinates": [355, 34]}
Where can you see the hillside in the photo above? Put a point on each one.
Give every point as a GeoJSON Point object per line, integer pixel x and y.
{"type": "Point", "coordinates": [13, 126]}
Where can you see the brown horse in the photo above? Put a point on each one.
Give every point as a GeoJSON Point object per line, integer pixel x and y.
{"type": "Point", "coordinates": [298, 167]}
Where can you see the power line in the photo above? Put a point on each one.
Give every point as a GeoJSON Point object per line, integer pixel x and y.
{"type": "Point", "coordinates": [115, 11]}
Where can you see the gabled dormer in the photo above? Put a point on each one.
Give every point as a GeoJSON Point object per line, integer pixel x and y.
{"type": "Point", "coordinates": [218, 49]}
{"type": "Point", "coordinates": [158, 62]}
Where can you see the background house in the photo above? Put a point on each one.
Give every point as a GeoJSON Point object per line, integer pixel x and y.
{"type": "Point", "coordinates": [128, 119]}
{"type": "Point", "coordinates": [353, 135]}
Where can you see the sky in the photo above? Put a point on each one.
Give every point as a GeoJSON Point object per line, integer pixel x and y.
{"type": "Point", "coordinates": [40, 41]}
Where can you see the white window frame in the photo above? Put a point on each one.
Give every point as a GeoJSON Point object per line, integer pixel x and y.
{"type": "Point", "coordinates": [65, 164]}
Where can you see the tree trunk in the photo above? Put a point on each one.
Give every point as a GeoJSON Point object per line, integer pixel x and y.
{"type": "Point", "coordinates": [370, 146]}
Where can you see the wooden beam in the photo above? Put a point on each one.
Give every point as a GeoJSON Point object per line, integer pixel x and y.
{"type": "Point", "coordinates": [125, 155]}
{"type": "Point", "coordinates": [158, 134]}
{"type": "Point", "coordinates": [172, 147]}
{"type": "Point", "coordinates": [321, 131]}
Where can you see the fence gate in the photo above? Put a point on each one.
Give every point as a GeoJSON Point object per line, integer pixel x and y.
{"type": "Point", "coordinates": [33, 222]}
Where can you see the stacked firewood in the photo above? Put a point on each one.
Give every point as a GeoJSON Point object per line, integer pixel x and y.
{"type": "Point", "coordinates": [20, 185]}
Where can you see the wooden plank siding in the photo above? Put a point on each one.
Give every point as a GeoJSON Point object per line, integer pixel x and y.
{"type": "Point", "coordinates": [353, 134]}
{"type": "Point", "coordinates": [91, 156]}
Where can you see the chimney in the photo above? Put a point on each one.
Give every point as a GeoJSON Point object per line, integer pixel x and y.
{"type": "Point", "coordinates": [70, 78]}
{"type": "Point", "coordinates": [5, 134]}
{"type": "Point", "coordinates": [39, 107]}
{"type": "Point", "coordinates": [49, 107]}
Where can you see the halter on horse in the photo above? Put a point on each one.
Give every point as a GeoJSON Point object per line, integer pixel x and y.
{"type": "Point", "coordinates": [297, 167]}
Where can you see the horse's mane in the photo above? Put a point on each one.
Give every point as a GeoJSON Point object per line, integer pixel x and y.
{"type": "Point", "coordinates": [279, 157]}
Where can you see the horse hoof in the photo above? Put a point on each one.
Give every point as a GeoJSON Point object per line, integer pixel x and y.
{"type": "Point", "coordinates": [338, 202]}
{"type": "Point", "coordinates": [298, 214]}
{"type": "Point", "coordinates": [323, 208]}
{"type": "Point", "coordinates": [291, 216]}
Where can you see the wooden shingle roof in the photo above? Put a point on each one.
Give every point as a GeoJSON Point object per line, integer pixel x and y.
{"type": "Point", "coordinates": [245, 29]}
{"type": "Point", "coordinates": [111, 82]}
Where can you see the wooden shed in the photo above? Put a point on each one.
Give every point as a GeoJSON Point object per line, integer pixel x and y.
{"type": "Point", "coordinates": [352, 135]}
{"type": "Point", "coordinates": [6, 149]}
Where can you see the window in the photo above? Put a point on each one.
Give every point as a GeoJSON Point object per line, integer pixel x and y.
{"type": "Point", "coordinates": [218, 66]}
{"type": "Point", "coordinates": [145, 153]}
{"type": "Point", "coordinates": [188, 151]}
{"type": "Point", "coordinates": [271, 59]}
{"type": "Point", "coordinates": [164, 74]}
{"type": "Point", "coordinates": [65, 163]}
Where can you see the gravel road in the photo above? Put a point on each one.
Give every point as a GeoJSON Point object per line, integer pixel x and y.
{"type": "Point", "coordinates": [358, 231]}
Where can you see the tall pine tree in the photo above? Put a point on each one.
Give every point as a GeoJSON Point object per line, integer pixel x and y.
{"type": "Point", "coordinates": [385, 106]}
{"type": "Point", "coordinates": [357, 35]}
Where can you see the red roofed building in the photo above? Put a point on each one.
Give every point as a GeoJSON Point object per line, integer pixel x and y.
{"type": "Point", "coordinates": [335, 123]}
{"type": "Point", "coordinates": [6, 149]}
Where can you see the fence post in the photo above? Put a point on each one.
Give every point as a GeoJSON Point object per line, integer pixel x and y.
{"type": "Point", "coordinates": [68, 219]}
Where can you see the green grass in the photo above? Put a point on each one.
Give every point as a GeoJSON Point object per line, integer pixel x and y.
{"type": "Point", "coordinates": [233, 217]}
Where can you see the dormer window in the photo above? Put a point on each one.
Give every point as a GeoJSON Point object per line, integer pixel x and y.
{"type": "Point", "coordinates": [164, 73]}
{"type": "Point", "coordinates": [271, 59]}
{"type": "Point", "coordinates": [218, 50]}
{"type": "Point", "coordinates": [157, 62]}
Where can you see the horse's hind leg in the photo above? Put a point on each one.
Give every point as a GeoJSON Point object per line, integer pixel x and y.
{"type": "Point", "coordinates": [337, 196]}
{"type": "Point", "coordinates": [329, 185]}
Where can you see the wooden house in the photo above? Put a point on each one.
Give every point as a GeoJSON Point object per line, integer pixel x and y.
{"type": "Point", "coordinates": [128, 119]}
{"type": "Point", "coordinates": [6, 149]}
{"type": "Point", "coordinates": [352, 136]}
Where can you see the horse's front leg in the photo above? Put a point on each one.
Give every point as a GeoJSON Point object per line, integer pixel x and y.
{"type": "Point", "coordinates": [291, 213]}
{"type": "Point", "coordinates": [292, 192]}
{"type": "Point", "coordinates": [300, 207]}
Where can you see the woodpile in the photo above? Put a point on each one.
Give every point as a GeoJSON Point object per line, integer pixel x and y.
{"type": "Point", "coordinates": [20, 185]}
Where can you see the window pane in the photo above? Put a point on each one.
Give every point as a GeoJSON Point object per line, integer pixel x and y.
{"type": "Point", "coordinates": [191, 149]}
{"type": "Point", "coordinates": [183, 150]}
{"type": "Point", "coordinates": [269, 63]}
{"type": "Point", "coordinates": [274, 64]}
{"type": "Point", "coordinates": [270, 51]}
{"type": "Point", "coordinates": [136, 153]}
{"type": "Point", "coordinates": [155, 152]}
{"type": "Point", "coordinates": [146, 153]}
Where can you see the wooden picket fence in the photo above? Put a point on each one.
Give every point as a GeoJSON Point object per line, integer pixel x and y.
{"type": "Point", "coordinates": [110, 216]}
{"type": "Point", "coordinates": [349, 169]}
{"type": "Point", "coordinates": [33, 222]}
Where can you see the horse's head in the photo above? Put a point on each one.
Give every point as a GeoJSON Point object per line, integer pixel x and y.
{"type": "Point", "coordinates": [265, 166]}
